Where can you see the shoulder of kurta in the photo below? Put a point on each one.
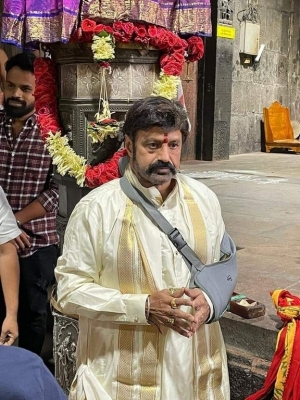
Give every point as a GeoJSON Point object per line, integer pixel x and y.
{"type": "Point", "coordinates": [201, 190]}
{"type": "Point", "coordinates": [109, 195]}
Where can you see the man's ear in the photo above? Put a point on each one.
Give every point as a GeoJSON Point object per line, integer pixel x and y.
{"type": "Point", "coordinates": [128, 145]}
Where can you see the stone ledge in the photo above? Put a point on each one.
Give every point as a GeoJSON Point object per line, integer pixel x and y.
{"type": "Point", "coordinates": [250, 349]}
{"type": "Point", "coordinates": [243, 334]}
{"type": "Point", "coordinates": [247, 373]}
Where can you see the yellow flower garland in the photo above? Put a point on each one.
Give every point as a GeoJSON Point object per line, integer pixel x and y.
{"type": "Point", "coordinates": [65, 158]}
{"type": "Point", "coordinates": [103, 47]}
{"type": "Point", "coordinates": [166, 86]}
{"type": "Point", "coordinates": [102, 133]}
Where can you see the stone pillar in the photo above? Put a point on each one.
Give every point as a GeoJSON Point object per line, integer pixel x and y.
{"type": "Point", "coordinates": [223, 85]}
{"type": "Point", "coordinates": [214, 88]}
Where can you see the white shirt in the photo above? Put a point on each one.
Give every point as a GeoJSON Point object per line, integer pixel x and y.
{"type": "Point", "coordinates": [8, 225]}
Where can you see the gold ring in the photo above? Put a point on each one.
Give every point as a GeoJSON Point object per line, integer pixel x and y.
{"type": "Point", "coordinates": [172, 290]}
{"type": "Point", "coordinates": [171, 321]}
{"type": "Point", "coordinates": [173, 303]}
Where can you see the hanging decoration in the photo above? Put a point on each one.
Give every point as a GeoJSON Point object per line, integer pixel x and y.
{"type": "Point", "coordinates": [175, 52]}
{"type": "Point", "coordinates": [104, 125]}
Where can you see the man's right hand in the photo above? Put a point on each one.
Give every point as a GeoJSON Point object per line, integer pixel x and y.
{"type": "Point", "coordinates": [165, 310]}
{"type": "Point", "coordinates": [22, 241]}
{"type": "Point", "coordinates": [9, 331]}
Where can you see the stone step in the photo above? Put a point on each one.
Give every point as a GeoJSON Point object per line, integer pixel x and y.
{"type": "Point", "coordinates": [250, 349]}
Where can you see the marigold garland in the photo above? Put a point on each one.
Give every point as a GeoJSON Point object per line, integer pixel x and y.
{"type": "Point", "coordinates": [176, 52]}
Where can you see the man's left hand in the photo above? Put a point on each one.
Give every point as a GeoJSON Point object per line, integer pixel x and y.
{"type": "Point", "coordinates": [201, 307]}
{"type": "Point", "coordinates": [9, 332]}
{"type": "Point", "coordinates": [22, 241]}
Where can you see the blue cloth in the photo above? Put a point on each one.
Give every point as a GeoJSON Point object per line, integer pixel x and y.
{"type": "Point", "coordinates": [24, 376]}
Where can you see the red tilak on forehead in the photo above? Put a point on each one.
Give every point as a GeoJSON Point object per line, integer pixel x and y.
{"type": "Point", "coordinates": [166, 139]}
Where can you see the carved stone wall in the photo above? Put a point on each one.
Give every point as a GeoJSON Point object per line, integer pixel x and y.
{"type": "Point", "coordinates": [65, 336]}
{"type": "Point", "coordinates": [132, 77]}
{"type": "Point", "coordinates": [126, 82]}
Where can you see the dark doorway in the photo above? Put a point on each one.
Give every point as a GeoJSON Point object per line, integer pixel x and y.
{"type": "Point", "coordinates": [206, 93]}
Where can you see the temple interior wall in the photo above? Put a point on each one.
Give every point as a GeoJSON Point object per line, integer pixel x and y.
{"type": "Point", "coordinates": [276, 77]}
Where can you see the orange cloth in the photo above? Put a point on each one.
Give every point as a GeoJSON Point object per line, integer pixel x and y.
{"type": "Point", "coordinates": [283, 378]}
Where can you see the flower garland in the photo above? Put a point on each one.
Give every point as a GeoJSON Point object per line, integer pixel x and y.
{"type": "Point", "coordinates": [45, 96]}
{"type": "Point", "coordinates": [99, 131]}
{"type": "Point", "coordinates": [176, 52]}
{"type": "Point", "coordinates": [104, 126]}
{"type": "Point", "coordinates": [63, 156]}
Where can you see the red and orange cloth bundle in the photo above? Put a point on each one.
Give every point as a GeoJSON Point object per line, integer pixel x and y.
{"type": "Point", "coordinates": [283, 378]}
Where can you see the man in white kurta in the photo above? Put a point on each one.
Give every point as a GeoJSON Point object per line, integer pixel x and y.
{"type": "Point", "coordinates": [118, 272]}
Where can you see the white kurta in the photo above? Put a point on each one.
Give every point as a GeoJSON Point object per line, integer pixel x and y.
{"type": "Point", "coordinates": [115, 357]}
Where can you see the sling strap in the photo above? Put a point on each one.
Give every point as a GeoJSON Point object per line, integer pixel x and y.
{"type": "Point", "coordinates": [217, 280]}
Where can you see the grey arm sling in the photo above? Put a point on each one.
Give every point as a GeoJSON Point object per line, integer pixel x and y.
{"type": "Point", "coordinates": [217, 280]}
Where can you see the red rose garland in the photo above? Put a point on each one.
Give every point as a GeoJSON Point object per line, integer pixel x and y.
{"type": "Point", "coordinates": [45, 96]}
{"type": "Point", "coordinates": [176, 50]}
{"type": "Point", "coordinates": [195, 49]}
{"type": "Point", "coordinates": [104, 172]}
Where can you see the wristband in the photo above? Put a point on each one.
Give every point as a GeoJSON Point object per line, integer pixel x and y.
{"type": "Point", "coordinates": [19, 224]}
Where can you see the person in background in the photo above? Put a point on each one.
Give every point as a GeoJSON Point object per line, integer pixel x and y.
{"type": "Point", "coordinates": [143, 333]}
{"type": "Point", "coordinates": [24, 376]}
{"type": "Point", "coordinates": [9, 272]}
{"type": "Point", "coordinates": [26, 176]}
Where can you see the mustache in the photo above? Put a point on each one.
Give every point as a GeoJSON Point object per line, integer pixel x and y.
{"type": "Point", "coordinates": [15, 100]}
{"type": "Point", "coordinates": [161, 164]}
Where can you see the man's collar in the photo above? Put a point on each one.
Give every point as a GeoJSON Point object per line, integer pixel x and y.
{"type": "Point", "coordinates": [30, 121]}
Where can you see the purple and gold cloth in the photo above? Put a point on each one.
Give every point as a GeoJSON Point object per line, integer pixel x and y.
{"type": "Point", "coordinates": [27, 21]}
{"type": "Point", "coordinates": [48, 21]}
{"type": "Point", "coordinates": [180, 16]}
